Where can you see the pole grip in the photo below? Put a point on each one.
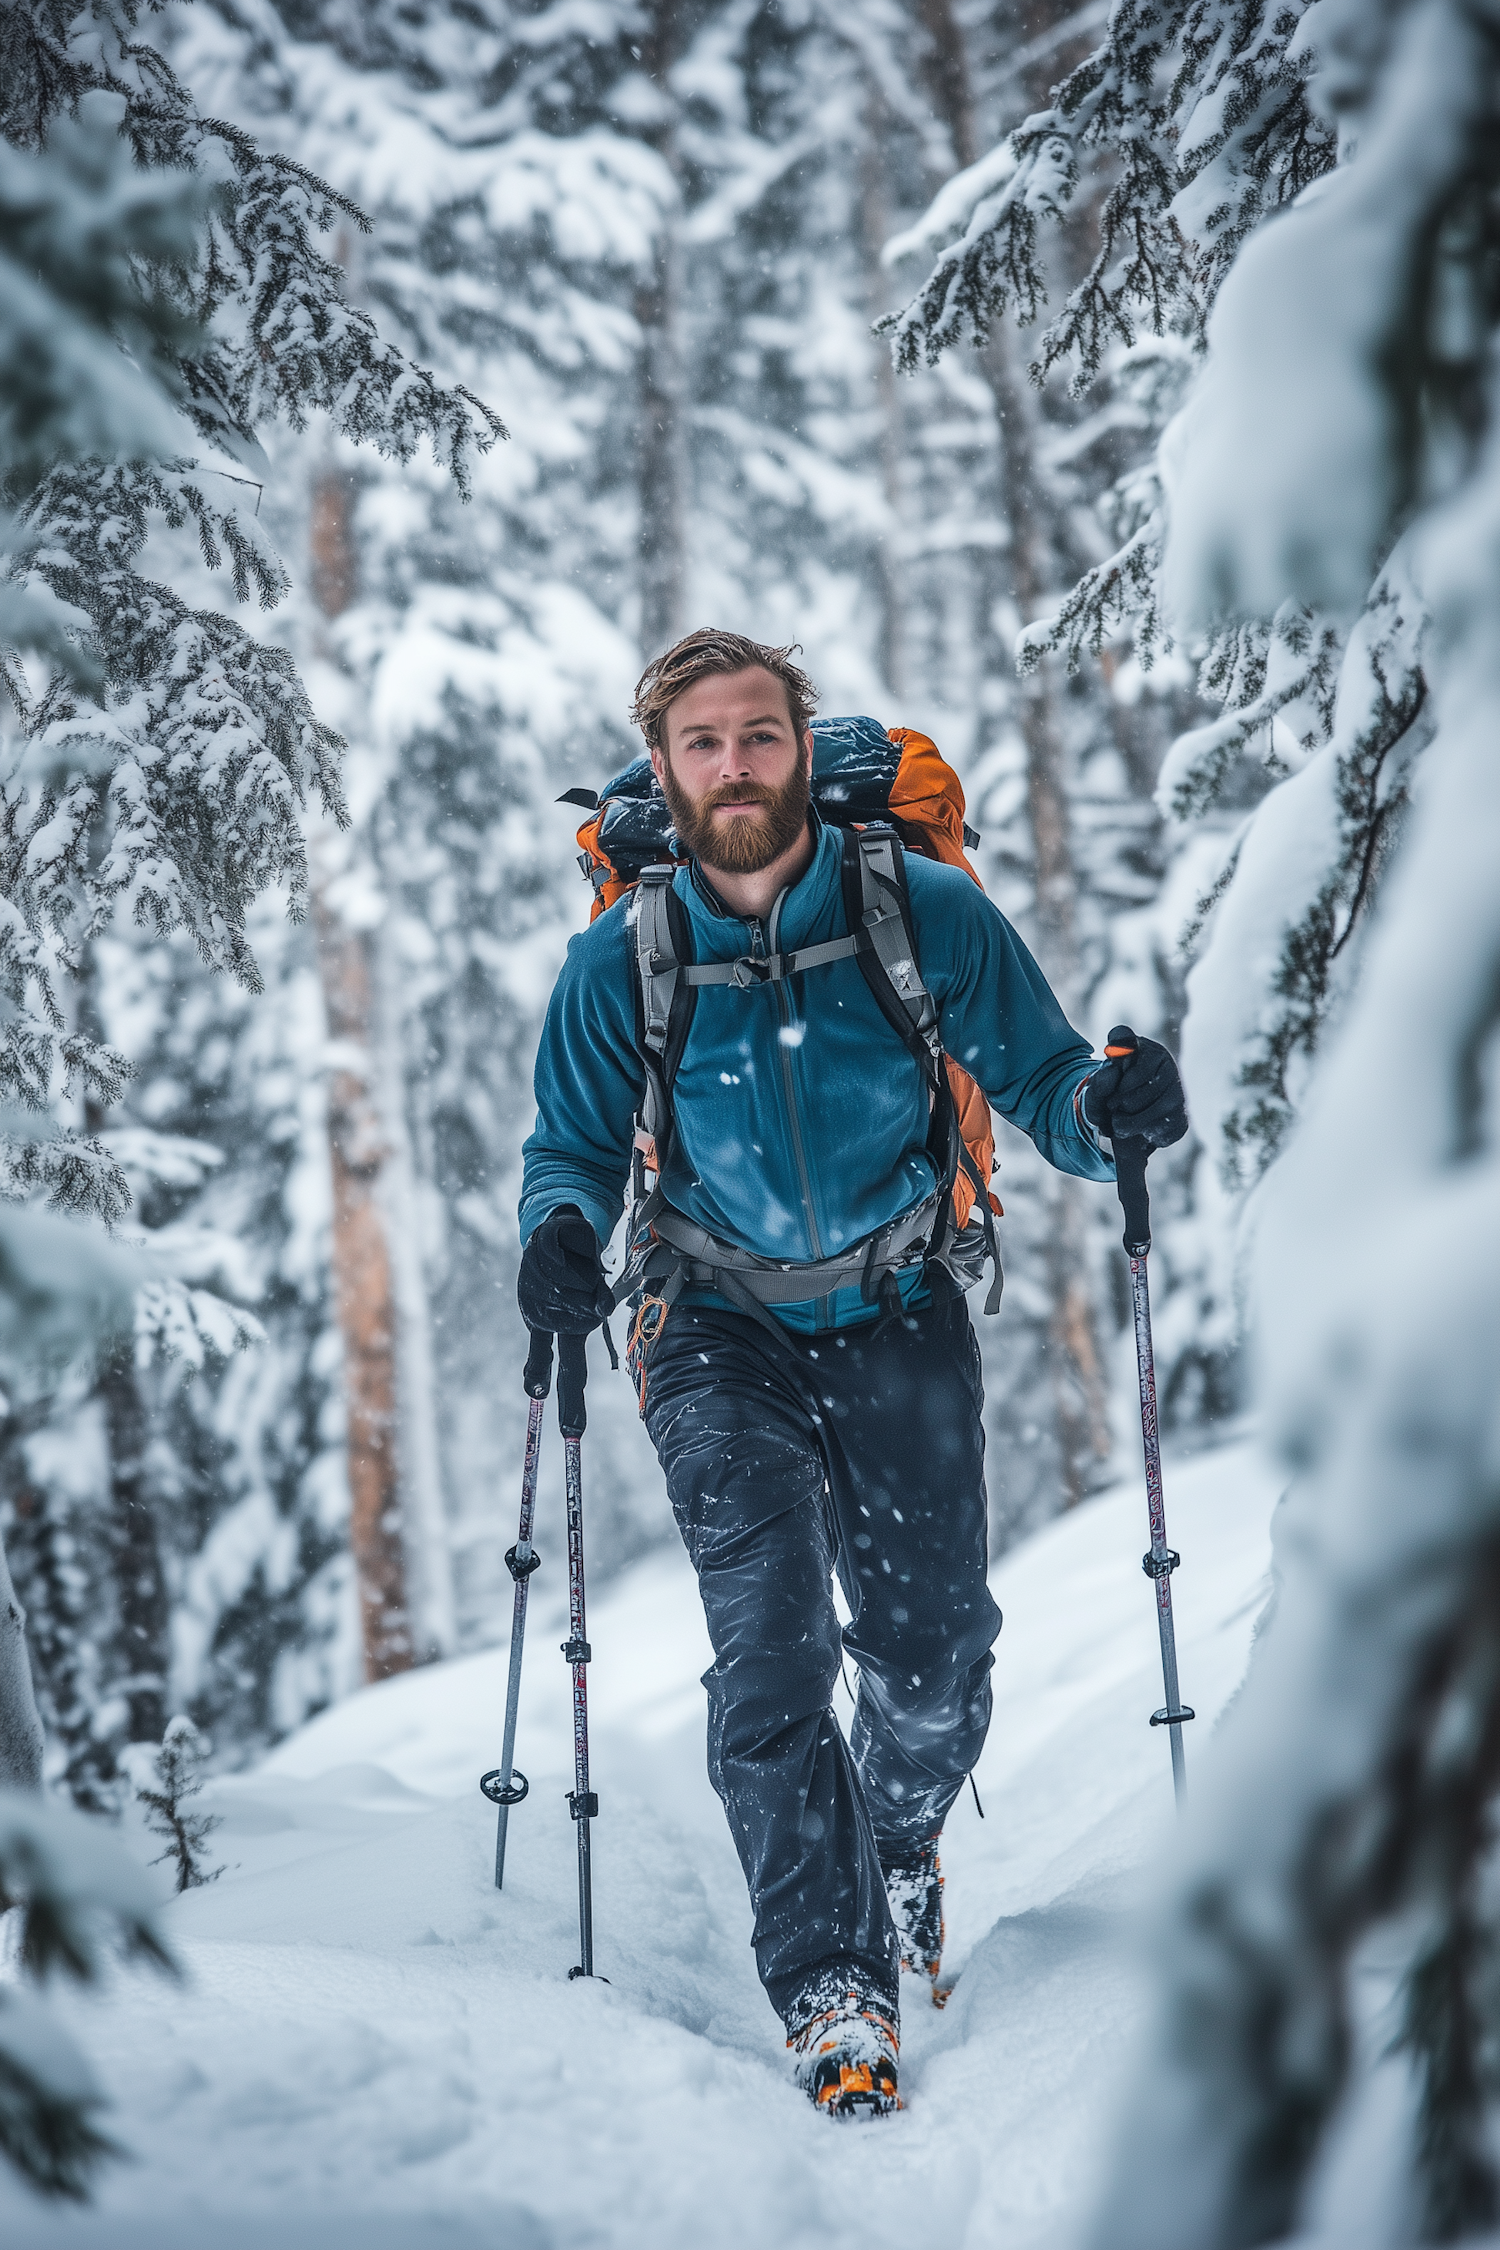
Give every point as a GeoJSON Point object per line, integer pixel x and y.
{"type": "Point", "coordinates": [537, 1379]}
{"type": "Point", "coordinates": [572, 1374]}
{"type": "Point", "coordinates": [1131, 1153]}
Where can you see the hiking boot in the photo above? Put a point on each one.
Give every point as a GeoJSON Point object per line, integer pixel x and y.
{"type": "Point", "coordinates": [846, 2058]}
{"type": "Point", "coordinates": [914, 1886]}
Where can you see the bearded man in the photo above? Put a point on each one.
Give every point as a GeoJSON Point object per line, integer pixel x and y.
{"type": "Point", "coordinates": [815, 1432]}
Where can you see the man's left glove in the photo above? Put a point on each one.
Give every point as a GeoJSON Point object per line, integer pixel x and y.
{"type": "Point", "coordinates": [561, 1286]}
{"type": "Point", "coordinates": [1137, 1095]}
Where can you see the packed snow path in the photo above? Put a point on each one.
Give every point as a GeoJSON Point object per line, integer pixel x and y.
{"type": "Point", "coordinates": [375, 2046]}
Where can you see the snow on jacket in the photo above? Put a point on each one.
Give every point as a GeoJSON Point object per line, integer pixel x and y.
{"type": "Point", "coordinates": [801, 1117]}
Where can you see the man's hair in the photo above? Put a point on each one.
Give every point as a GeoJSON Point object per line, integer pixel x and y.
{"type": "Point", "coordinates": [701, 655]}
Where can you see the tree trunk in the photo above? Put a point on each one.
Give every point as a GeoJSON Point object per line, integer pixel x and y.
{"type": "Point", "coordinates": [424, 1515]}
{"type": "Point", "coordinates": [141, 1652]}
{"type": "Point", "coordinates": [874, 228]}
{"type": "Point", "coordinates": [1080, 1399]}
{"type": "Point", "coordinates": [65, 1668]}
{"type": "Point", "coordinates": [1080, 1402]}
{"type": "Point", "coordinates": [141, 1628]}
{"type": "Point", "coordinates": [948, 77]}
{"type": "Point", "coordinates": [366, 1308]}
{"type": "Point", "coordinates": [358, 1146]}
{"type": "Point", "coordinates": [661, 436]}
{"type": "Point", "coordinates": [20, 1727]}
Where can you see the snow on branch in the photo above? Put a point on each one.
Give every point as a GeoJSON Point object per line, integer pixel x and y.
{"type": "Point", "coordinates": [167, 272]}
{"type": "Point", "coordinates": [79, 1895]}
{"type": "Point", "coordinates": [1200, 107]}
{"type": "Point", "coordinates": [1353, 1792]}
{"type": "Point", "coordinates": [1276, 683]}
{"type": "Point", "coordinates": [165, 1781]}
{"type": "Point", "coordinates": [285, 339]}
{"type": "Point", "coordinates": [80, 227]}
{"type": "Point", "coordinates": [182, 797]}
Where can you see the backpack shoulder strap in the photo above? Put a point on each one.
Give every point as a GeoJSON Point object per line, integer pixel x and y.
{"type": "Point", "coordinates": [877, 900]}
{"type": "Point", "coordinates": [664, 1000]}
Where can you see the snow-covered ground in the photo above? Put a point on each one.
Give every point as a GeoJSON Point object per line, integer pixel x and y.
{"type": "Point", "coordinates": [375, 2047]}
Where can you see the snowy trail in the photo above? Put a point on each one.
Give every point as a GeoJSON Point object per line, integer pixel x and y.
{"type": "Point", "coordinates": [374, 2045]}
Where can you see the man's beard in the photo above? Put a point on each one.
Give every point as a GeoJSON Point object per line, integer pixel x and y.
{"type": "Point", "coordinates": [745, 845]}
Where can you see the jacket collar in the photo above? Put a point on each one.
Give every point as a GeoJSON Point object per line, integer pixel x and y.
{"type": "Point", "coordinates": [806, 906]}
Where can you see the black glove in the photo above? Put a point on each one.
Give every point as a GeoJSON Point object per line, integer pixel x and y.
{"type": "Point", "coordinates": [561, 1286]}
{"type": "Point", "coordinates": [1137, 1094]}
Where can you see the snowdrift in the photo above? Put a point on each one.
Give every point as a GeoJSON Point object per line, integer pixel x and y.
{"type": "Point", "coordinates": [375, 2047]}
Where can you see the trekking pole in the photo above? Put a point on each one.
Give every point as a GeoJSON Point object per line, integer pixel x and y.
{"type": "Point", "coordinates": [583, 1804]}
{"type": "Point", "coordinates": [1160, 1560]}
{"type": "Point", "coordinates": [503, 1786]}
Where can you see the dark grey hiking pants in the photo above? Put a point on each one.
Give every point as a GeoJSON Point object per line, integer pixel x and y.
{"type": "Point", "coordinates": [787, 1459]}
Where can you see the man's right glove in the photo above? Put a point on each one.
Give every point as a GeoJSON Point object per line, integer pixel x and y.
{"type": "Point", "coordinates": [1137, 1094]}
{"type": "Point", "coordinates": [561, 1286]}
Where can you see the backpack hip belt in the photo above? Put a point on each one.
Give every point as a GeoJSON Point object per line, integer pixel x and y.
{"type": "Point", "coordinates": [683, 1254]}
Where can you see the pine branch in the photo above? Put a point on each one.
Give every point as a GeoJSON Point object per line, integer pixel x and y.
{"type": "Point", "coordinates": [178, 1779]}
{"type": "Point", "coordinates": [1198, 165]}
{"type": "Point", "coordinates": [79, 1895]}
{"type": "Point", "coordinates": [1382, 695]}
{"type": "Point", "coordinates": [299, 346]}
{"type": "Point", "coordinates": [206, 747]}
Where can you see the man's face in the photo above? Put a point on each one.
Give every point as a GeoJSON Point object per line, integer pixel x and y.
{"type": "Point", "coordinates": [735, 772]}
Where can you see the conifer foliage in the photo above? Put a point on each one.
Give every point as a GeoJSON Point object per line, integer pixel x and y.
{"type": "Point", "coordinates": [1202, 106]}
{"type": "Point", "coordinates": [1198, 124]}
{"type": "Point", "coordinates": [81, 1899]}
{"type": "Point", "coordinates": [1334, 460]}
{"type": "Point", "coordinates": [165, 1786]}
{"type": "Point", "coordinates": [170, 785]}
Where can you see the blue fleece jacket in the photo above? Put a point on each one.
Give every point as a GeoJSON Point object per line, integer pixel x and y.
{"type": "Point", "coordinates": [801, 1117]}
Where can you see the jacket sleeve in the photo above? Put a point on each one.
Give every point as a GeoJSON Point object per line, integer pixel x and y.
{"type": "Point", "coordinates": [1000, 1017]}
{"type": "Point", "coordinates": [588, 1083]}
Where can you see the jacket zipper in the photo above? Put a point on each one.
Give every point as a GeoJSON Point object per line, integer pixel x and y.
{"type": "Point", "coordinates": [799, 1149]}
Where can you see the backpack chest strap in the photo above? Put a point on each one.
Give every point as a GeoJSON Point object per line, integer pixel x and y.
{"type": "Point", "coordinates": [772, 968]}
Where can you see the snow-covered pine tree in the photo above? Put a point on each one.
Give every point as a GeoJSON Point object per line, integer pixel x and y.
{"type": "Point", "coordinates": [479, 659]}
{"type": "Point", "coordinates": [238, 1494]}
{"type": "Point", "coordinates": [197, 747]}
{"type": "Point", "coordinates": [83, 1901]}
{"type": "Point", "coordinates": [62, 1293]}
{"type": "Point", "coordinates": [1061, 790]}
{"type": "Point", "coordinates": [1353, 352]}
{"type": "Point", "coordinates": [165, 1782]}
{"type": "Point", "coordinates": [162, 757]}
{"type": "Point", "coordinates": [1201, 153]}
{"type": "Point", "coordinates": [82, 221]}
{"type": "Point", "coordinates": [1337, 457]}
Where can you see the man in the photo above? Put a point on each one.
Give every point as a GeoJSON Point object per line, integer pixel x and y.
{"type": "Point", "coordinates": [825, 1433]}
